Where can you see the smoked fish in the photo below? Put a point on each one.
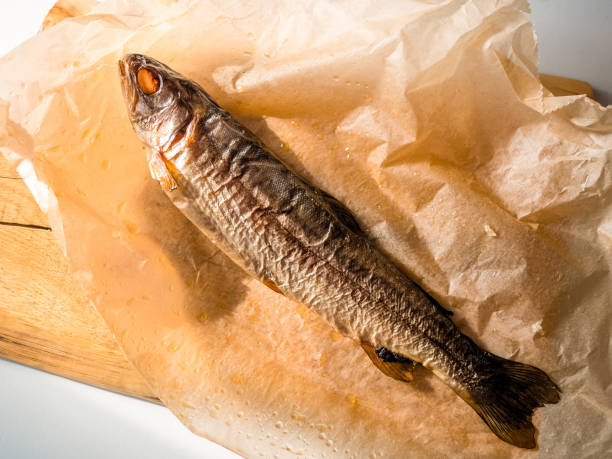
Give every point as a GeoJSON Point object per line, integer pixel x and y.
{"type": "Point", "coordinates": [305, 244]}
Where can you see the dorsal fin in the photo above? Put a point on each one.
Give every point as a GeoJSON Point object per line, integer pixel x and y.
{"type": "Point", "coordinates": [342, 213]}
{"type": "Point", "coordinates": [442, 310]}
{"type": "Point", "coordinates": [391, 364]}
{"type": "Point", "coordinates": [272, 286]}
{"type": "Point", "coordinates": [345, 216]}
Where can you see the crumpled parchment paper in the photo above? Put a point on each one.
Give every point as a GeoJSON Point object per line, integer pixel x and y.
{"type": "Point", "coordinates": [427, 119]}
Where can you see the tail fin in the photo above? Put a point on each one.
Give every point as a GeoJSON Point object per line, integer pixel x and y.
{"type": "Point", "coordinates": [506, 397]}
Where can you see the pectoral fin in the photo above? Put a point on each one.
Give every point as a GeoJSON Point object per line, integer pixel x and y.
{"type": "Point", "coordinates": [390, 363]}
{"type": "Point", "coordinates": [160, 172]}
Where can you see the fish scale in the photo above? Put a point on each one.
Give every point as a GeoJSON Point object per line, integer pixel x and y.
{"type": "Point", "coordinates": [239, 175]}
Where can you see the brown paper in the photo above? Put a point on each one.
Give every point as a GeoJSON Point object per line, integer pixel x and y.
{"type": "Point", "coordinates": [427, 119]}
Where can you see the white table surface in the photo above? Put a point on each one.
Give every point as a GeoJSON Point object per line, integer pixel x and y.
{"type": "Point", "coordinates": [47, 416]}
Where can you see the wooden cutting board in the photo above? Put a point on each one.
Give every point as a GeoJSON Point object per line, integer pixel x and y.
{"type": "Point", "coordinates": [45, 321]}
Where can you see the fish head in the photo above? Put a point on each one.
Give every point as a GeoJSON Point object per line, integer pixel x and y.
{"type": "Point", "coordinates": [161, 103]}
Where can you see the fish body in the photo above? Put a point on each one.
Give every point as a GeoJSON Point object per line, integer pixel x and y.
{"type": "Point", "coordinates": [302, 242]}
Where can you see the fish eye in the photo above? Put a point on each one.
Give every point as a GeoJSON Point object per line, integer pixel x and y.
{"type": "Point", "coordinates": [148, 81]}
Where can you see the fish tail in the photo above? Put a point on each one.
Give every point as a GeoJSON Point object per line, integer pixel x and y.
{"type": "Point", "coordinates": [506, 396]}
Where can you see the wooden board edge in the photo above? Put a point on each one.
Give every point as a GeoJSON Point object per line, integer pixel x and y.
{"type": "Point", "coordinates": [562, 86]}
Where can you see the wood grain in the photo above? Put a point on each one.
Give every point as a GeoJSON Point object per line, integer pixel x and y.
{"type": "Point", "coordinates": [45, 321]}
{"type": "Point", "coordinates": [18, 209]}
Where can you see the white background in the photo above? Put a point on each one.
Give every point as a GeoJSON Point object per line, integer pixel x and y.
{"type": "Point", "coordinates": [46, 416]}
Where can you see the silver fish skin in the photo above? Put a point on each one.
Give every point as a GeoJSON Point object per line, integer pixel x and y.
{"type": "Point", "coordinates": [302, 242]}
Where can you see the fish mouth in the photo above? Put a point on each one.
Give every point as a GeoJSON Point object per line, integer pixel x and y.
{"type": "Point", "coordinates": [130, 94]}
{"type": "Point", "coordinates": [122, 68]}
{"type": "Point", "coordinates": [130, 64]}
